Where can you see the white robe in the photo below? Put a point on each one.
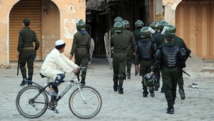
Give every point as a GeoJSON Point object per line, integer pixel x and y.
{"type": "Point", "coordinates": [56, 63]}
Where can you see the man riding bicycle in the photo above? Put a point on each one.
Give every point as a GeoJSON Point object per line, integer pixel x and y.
{"type": "Point", "coordinates": [55, 66]}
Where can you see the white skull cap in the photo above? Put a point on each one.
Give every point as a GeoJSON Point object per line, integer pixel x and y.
{"type": "Point", "coordinates": [59, 42]}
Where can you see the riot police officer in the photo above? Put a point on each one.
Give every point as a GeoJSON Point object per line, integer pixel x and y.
{"type": "Point", "coordinates": [155, 26]}
{"type": "Point", "coordinates": [120, 42]}
{"type": "Point", "coordinates": [178, 41]}
{"type": "Point", "coordinates": [138, 25]}
{"type": "Point", "coordinates": [80, 47]}
{"type": "Point", "coordinates": [159, 39]}
{"type": "Point", "coordinates": [27, 52]}
{"type": "Point", "coordinates": [169, 57]}
{"type": "Point", "coordinates": [145, 57]}
{"type": "Point", "coordinates": [131, 47]}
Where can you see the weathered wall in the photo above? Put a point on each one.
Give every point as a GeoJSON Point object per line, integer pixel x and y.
{"type": "Point", "coordinates": [69, 11]}
{"type": "Point", "coordinates": [169, 12]}
{"type": "Point", "coordinates": [50, 26]}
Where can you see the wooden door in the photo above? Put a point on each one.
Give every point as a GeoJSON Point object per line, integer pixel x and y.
{"type": "Point", "coordinates": [194, 23]}
{"type": "Point", "coordinates": [24, 9]}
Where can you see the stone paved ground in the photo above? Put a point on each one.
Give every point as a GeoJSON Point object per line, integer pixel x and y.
{"type": "Point", "coordinates": [131, 106]}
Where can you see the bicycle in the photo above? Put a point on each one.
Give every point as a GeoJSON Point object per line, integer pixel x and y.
{"type": "Point", "coordinates": [32, 101]}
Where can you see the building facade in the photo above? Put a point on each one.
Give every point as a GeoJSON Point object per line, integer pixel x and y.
{"type": "Point", "coordinates": [56, 19]}
{"type": "Point", "coordinates": [194, 21]}
{"type": "Point", "coordinates": [51, 19]}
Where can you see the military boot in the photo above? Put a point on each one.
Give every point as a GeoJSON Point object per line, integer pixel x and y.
{"type": "Point", "coordinates": [170, 102]}
{"type": "Point", "coordinates": [182, 94]}
{"type": "Point", "coordinates": [170, 110]}
{"type": "Point", "coordinates": [23, 81]}
{"type": "Point", "coordinates": [120, 87]}
{"type": "Point", "coordinates": [83, 81]}
{"type": "Point", "coordinates": [30, 79]}
{"type": "Point", "coordinates": [115, 86]}
{"type": "Point", "coordinates": [151, 91]}
{"type": "Point", "coordinates": [145, 92]}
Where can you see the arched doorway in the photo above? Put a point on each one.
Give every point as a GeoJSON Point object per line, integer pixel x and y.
{"type": "Point", "coordinates": [194, 23]}
{"type": "Point", "coordinates": [45, 21]}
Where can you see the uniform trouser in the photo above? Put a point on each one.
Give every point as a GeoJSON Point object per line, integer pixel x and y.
{"type": "Point", "coordinates": [81, 59]}
{"type": "Point", "coordinates": [157, 75]}
{"type": "Point", "coordinates": [145, 66]}
{"type": "Point", "coordinates": [119, 66]}
{"type": "Point", "coordinates": [129, 59]}
{"type": "Point", "coordinates": [181, 80]}
{"type": "Point", "coordinates": [170, 77]}
{"type": "Point", "coordinates": [27, 56]}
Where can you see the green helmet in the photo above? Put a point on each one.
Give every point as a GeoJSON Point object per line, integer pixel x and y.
{"type": "Point", "coordinates": [80, 25]}
{"type": "Point", "coordinates": [162, 23]}
{"type": "Point", "coordinates": [154, 25]}
{"type": "Point", "coordinates": [139, 23]}
{"type": "Point", "coordinates": [126, 24]}
{"type": "Point", "coordinates": [149, 79]}
{"type": "Point", "coordinates": [144, 32]}
{"type": "Point", "coordinates": [118, 19]}
{"type": "Point", "coordinates": [118, 26]}
{"type": "Point", "coordinates": [171, 29]}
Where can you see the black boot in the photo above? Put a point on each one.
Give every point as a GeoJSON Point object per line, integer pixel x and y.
{"type": "Point", "coordinates": [145, 92]}
{"type": "Point", "coordinates": [151, 91]}
{"type": "Point", "coordinates": [115, 86]}
{"type": "Point", "coordinates": [182, 94]}
{"type": "Point", "coordinates": [23, 83]}
{"type": "Point", "coordinates": [170, 102]}
{"type": "Point", "coordinates": [120, 87]}
{"type": "Point", "coordinates": [170, 110]}
{"type": "Point", "coordinates": [30, 79]}
{"type": "Point", "coordinates": [120, 90]}
{"type": "Point", "coordinates": [83, 81]}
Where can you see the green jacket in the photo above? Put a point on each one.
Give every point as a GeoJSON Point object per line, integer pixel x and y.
{"type": "Point", "coordinates": [81, 40]}
{"type": "Point", "coordinates": [26, 39]}
{"type": "Point", "coordinates": [120, 42]}
{"type": "Point", "coordinates": [131, 40]}
{"type": "Point", "coordinates": [137, 34]}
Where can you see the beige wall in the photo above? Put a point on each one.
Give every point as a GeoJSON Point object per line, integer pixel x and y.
{"type": "Point", "coordinates": [69, 10]}
{"type": "Point", "coordinates": [170, 7]}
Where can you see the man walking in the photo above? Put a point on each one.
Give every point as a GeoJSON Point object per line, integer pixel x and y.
{"type": "Point", "coordinates": [120, 42]}
{"type": "Point", "coordinates": [145, 57]}
{"type": "Point", "coordinates": [131, 47]}
{"type": "Point", "coordinates": [26, 51]}
{"type": "Point", "coordinates": [80, 47]}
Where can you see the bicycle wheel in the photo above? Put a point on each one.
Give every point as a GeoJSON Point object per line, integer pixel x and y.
{"type": "Point", "coordinates": [86, 103]}
{"type": "Point", "coordinates": [31, 102]}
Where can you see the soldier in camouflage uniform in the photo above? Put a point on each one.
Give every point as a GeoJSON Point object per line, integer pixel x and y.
{"type": "Point", "coordinates": [27, 52]}
{"type": "Point", "coordinates": [120, 42]}
{"type": "Point", "coordinates": [80, 47]}
{"type": "Point", "coordinates": [131, 47]}
{"type": "Point", "coordinates": [170, 58]}
{"type": "Point", "coordinates": [145, 57]}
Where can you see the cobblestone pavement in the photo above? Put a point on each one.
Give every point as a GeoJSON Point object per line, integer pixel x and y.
{"type": "Point", "coordinates": [131, 106]}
